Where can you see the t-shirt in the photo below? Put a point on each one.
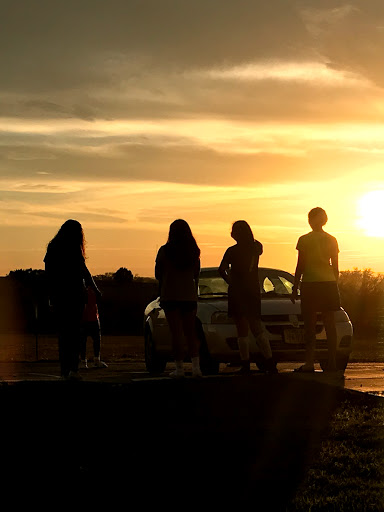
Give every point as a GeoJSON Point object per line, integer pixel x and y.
{"type": "Point", "coordinates": [244, 263]}
{"type": "Point", "coordinates": [176, 283]}
{"type": "Point", "coordinates": [317, 248]}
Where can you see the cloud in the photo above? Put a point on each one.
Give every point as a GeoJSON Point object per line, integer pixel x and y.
{"type": "Point", "coordinates": [68, 45]}
{"type": "Point", "coordinates": [174, 59]}
{"type": "Point", "coordinates": [349, 36]}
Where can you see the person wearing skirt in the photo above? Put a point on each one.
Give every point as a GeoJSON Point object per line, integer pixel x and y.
{"type": "Point", "coordinates": [318, 270]}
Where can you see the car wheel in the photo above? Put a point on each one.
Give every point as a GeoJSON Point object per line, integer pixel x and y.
{"type": "Point", "coordinates": [153, 362]}
{"type": "Point", "coordinates": [208, 365]}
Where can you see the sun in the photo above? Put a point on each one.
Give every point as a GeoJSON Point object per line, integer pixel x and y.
{"type": "Point", "coordinates": [371, 213]}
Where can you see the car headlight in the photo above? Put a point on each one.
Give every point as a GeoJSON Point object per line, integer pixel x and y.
{"type": "Point", "coordinates": [221, 317]}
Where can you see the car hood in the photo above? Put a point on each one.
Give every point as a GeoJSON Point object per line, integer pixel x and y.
{"type": "Point", "coordinates": [269, 306]}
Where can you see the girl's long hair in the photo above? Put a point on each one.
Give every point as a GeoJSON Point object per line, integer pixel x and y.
{"type": "Point", "coordinates": [242, 233]}
{"type": "Point", "coordinates": [69, 237]}
{"type": "Point", "coordinates": [181, 247]}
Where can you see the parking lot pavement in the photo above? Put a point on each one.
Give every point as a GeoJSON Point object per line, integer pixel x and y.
{"type": "Point", "coordinates": [365, 377]}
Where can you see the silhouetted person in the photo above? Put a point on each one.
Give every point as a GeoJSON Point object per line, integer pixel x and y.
{"type": "Point", "coordinates": [318, 266]}
{"type": "Point", "coordinates": [67, 277]}
{"type": "Point", "coordinates": [177, 270]}
{"type": "Point", "coordinates": [91, 327]}
{"type": "Point", "coordinates": [239, 268]}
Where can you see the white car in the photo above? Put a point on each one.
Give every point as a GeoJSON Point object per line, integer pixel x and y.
{"type": "Point", "coordinates": [281, 319]}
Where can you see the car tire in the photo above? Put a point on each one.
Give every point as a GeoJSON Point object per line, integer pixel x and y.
{"type": "Point", "coordinates": [153, 362]}
{"type": "Point", "coordinates": [208, 365]}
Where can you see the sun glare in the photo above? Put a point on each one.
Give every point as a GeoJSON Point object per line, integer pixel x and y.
{"type": "Point", "coordinates": [371, 213]}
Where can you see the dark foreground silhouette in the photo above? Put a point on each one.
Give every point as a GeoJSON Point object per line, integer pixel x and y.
{"type": "Point", "coordinates": [241, 440]}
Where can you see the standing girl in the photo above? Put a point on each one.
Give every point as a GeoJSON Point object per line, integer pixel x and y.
{"type": "Point", "coordinates": [67, 277]}
{"type": "Point", "coordinates": [239, 268]}
{"type": "Point", "coordinates": [177, 270]}
{"type": "Point", "coordinates": [318, 265]}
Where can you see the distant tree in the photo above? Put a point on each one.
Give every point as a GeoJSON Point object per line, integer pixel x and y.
{"type": "Point", "coordinates": [104, 277]}
{"type": "Point", "coordinates": [123, 275]}
{"type": "Point", "coordinates": [362, 296]}
{"type": "Point", "coordinates": [26, 275]}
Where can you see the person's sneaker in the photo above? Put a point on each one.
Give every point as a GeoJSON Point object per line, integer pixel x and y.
{"type": "Point", "coordinates": [271, 368]}
{"type": "Point", "coordinates": [196, 373]}
{"type": "Point", "coordinates": [74, 376]}
{"type": "Point", "coordinates": [99, 364]}
{"type": "Point", "coordinates": [83, 364]}
{"type": "Point", "coordinates": [245, 368]}
{"type": "Point", "coordinates": [177, 374]}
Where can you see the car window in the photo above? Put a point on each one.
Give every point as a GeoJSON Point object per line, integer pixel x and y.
{"type": "Point", "coordinates": [212, 285]}
{"type": "Point", "coordinates": [272, 282]}
{"type": "Point", "coordinates": [276, 284]}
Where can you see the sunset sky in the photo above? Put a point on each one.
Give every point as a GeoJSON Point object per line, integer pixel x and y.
{"type": "Point", "coordinates": [128, 114]}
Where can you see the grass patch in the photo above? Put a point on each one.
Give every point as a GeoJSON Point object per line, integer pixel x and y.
{"type": "Point", "coordinates": [348, 475]}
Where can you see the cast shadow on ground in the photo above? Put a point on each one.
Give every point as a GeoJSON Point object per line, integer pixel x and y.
{"type": "Point", "coordinates": [216, 441]}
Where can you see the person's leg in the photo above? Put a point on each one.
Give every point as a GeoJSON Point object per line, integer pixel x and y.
{"type": "Point", "coordinates": [310, 318]}
{"type": "Point", "coordinates": [74, 321]}
{"type": "Point", "coordinates": [263, 343]}
{"type": "Point", "coordinates": [176, 330]}
{"type": "Point", "coordinates": [63, 355]}
{"type": "Point", "coordinates": [62, 337]}
{"type": "Point", "coordinates": [95, 334]}
{"type": "Point", "coordinates": [83, 345]}
{"type": "Point", "coordinates": [190, 333]}
{"type": "Point", "coordinates": [242, 328]}
{"type": "Point", "coordinates": [261, 337]}
{"type": "Point", "coordinates": [330, 328]}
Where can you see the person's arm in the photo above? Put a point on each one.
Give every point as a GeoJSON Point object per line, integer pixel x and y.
{"type": "Point", "coordinates": [159, 265]}
{"type": "Point", "coordinates": [89, 281]}
{"type": "Point", "coordinates": [197, 274]}
{"type": "Point", "coordinates": [224, 268]}
{"type": "Point", "coordinates": [298, 273]}
{"type": "Point", "coordinates": [335, 266]}
{"type": "Point", "coordinates": [335, 259]}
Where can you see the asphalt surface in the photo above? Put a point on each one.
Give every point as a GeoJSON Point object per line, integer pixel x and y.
{"type": "Point", "coordinates": [365, 377]}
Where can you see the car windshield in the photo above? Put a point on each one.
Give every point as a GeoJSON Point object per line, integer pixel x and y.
{"type": "Point", "coordinates": [272, 283]}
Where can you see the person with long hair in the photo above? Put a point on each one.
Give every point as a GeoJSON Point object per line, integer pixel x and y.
{"type": "Point", "coordinates": [67, 277]}
{"type": "Point", "coordinates": [239, 268]}
{"type": "Point", "coordinates": [177, 270]}
{"type": "Point", "coordinates": [318, 270]}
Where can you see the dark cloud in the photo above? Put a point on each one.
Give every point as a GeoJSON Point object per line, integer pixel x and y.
{"type": "Point", "coordinates": [135, 59]}
{"type": "Point", "coordinates": [54, 44]}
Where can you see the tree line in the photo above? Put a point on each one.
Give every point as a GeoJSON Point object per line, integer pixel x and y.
{"type": "Point", "coordinates": [25, 308]}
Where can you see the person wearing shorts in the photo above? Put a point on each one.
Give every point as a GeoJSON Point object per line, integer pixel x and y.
{"type": "Point", "coordinates": [318, 270]}
{"type": "Point", "coordinates": [177, 270]}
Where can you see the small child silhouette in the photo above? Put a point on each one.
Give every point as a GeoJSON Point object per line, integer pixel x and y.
{"type": "Point", "coordinates": [91, 327]}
